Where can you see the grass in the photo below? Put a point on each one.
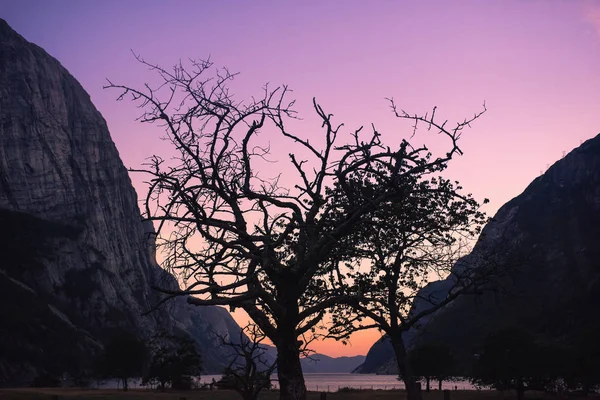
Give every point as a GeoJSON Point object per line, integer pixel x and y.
{"type": "Point", "coordinates": [136, 394]}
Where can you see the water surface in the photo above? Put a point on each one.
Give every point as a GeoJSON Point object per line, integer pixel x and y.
{"type": "Point", "coordinates": [332, 382]}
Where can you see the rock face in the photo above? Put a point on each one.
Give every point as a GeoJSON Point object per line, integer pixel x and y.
{"type": "Point", "coordinates": [553, 290]}
{"type": "Point", "coordinates": [76, 260]}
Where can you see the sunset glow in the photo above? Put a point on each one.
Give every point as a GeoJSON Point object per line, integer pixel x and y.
{"type": "Point", "coordinates": [534, 63]}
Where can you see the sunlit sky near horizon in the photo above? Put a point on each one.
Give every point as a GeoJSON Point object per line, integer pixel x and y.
{"type": "Point", "coordinates": [535, 63]}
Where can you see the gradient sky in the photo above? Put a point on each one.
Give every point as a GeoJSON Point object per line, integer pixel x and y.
{"type": "Point", "coordinates": [535, 63]}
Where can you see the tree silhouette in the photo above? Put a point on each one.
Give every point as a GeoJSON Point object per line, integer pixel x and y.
{"type": "Point", "coordinates": [509, 360]}
{"type": "Point", "coordinates": [432, 362]}
{"type": "Point", "coordinates": [250, 368]}
{"type": "Point", "coordinates": [583, 372]}
{"type": "Point", "coordinates": [175, 361]}
{"type": "Point", "coordinates": [230, 227]}
{"type": "Point", "coordinates": [419, 235]}
{"type": "Point", "coordinates": [125, 356]}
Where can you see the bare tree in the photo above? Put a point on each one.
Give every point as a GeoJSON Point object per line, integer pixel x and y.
{"type": "Point", "coordinates": [239, 237]}
{"type": "Point", "coordinates": [250, 368]}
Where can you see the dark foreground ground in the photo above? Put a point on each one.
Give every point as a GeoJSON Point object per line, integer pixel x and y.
{"type": "Point", "coordinates": [79, 394]}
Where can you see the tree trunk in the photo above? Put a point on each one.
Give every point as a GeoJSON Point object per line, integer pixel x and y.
{"type": "Point", "coordinates": [125, 387]}
{"type": "Point", "coordinates": [413, 391]}
{"type": "Point", "coordinates": [520, 389]}
{"type": "Point", "coordinates": [440, 384]}
{"type": "Point", "coordinates": [289, 370]}
{"type": "Point", "coordinates": [586, 388]}
{"type": "Point", "coordinates": [427, 380]}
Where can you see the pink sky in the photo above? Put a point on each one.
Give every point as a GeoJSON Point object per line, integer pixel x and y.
{"type": "Point", "coordinates": [535, 63]}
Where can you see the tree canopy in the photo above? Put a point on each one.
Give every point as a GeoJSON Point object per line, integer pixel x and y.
{"type": "Point", "coordinates": [510, 360]}
{"type": "Point", "coordinates": [175, 361]}
{"type": "Point", "coordinates": [125, 356]}
{"type": "Point", "coordinates": [432, 361]}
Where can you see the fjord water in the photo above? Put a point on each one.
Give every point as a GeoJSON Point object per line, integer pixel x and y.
{"type": "Point", "coordinates": [331, 382]}
{"type": "Point", "coordinates": [323, 382]}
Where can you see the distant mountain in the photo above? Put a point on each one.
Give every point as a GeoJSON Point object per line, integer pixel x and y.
{"type": "Point", "coordinates": [320, 363]}
{"type": "Point", "coordinates": [554, 228]}
{"type": "Point", "coordinates": [378, 356]}
{"type": "Point", "coordinates": [77, 262]}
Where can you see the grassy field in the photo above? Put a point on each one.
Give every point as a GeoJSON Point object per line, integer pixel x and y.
{"type": "Point", "coordinates": [79, 394]}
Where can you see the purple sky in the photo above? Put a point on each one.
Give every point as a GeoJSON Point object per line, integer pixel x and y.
{"type": "Point", "coordinates": [535, 63]}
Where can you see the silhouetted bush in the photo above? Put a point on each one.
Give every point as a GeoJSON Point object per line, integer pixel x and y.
{"type": "Point", "coordinates": [175, 361]}
{"type": "Point", "coordinates": [46, 380]}
{"type": "Point", "coordinates": [347, 389]}
{"type": "Point", "coordinates": [432, 362]}
{"type": "Point", "coordinates": [125, 356]}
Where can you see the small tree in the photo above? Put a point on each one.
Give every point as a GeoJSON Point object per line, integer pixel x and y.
{"type": "Point", "coordinates": [250, 368]}
{"type": "Point", "coordinates": [508, 361]}
{"type": "Point", "coordinates": [175, 361]}
{"type": "Point", "coordinates": [160, 372]}
{"type": "Point", "coordinates": [432, 362]}
{"type": "Point", "coordinates": [125, 356]}
{"type": "Point", "coordinates": [46, 380]}
{"type": "Point", "coordinates": [584, 372]}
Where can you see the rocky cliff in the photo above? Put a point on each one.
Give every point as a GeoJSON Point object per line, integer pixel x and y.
{"type": "Point", "coordinates": [553, 229]}
{"type": "Point", "coordinates": [76, 260]}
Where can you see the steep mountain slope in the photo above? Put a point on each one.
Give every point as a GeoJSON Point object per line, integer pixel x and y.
{"type": "Point", "coordinates": [377, 358]}
{"type": "Point", "coordinates": [553, 232]}
{"type": "Point", "coordinates": [77, 260]}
